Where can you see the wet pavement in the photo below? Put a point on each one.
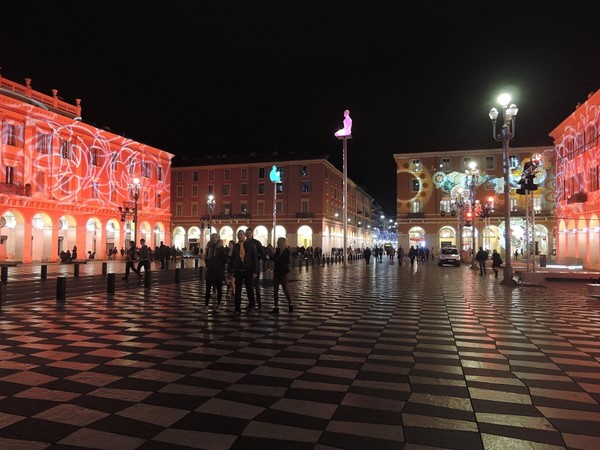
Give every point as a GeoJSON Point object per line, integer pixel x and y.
{"type": "Point", "coordinates": [379, 357]}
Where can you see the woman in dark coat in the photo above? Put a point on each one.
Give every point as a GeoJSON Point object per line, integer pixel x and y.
{"type": "Point", "coordinates": [281, 271]}
{"type": "Point", "coordinates": [216, 260]}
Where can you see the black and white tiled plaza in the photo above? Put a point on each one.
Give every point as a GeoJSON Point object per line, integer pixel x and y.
{"type": "Point", "coordinates": [383, 357]}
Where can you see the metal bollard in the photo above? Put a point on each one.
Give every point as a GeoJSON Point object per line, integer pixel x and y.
{"type": "Point", "coordinates": [61, 288]}
{"type": "Point", "coordinates": [4, 274]}
{"type": "Point", "coordinates": [147, 279]}
{"type": "Point", "coordinates": [104, 268]}
{"type": "Point", "coordinates": [182, 263]}
{"type": "Point", "coordinates": [306, 263]}
{"type": "Point", "coordinates": [44, 274]}
{"type": "Point", "coordinates": [166, 263]}
{"type": "Point", "coordinates": [177, 275]}
{"type": "Point", "coordinates": [196, 263]}
{"type": "Point", "coordinates": [75, 269]}
{"type": "Point", "coordinates": [110, 283]}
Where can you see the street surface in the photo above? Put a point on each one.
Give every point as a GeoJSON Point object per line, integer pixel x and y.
{"type": "Point", "coordinates": [379, 357]}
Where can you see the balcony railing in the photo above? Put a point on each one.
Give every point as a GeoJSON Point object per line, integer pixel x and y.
{"type": "Point", "coordinates": [415, 215]}
{"type": "Point", "coordinates": [7, 188]}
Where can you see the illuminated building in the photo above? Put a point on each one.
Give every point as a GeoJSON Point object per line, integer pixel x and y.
{"type": "Point", "coordinates": [577, 185]}
{"type": "Point", "coordinates": [62, 181]}
{"type": "Point", "coordinates": [433, 205]}
{"type": "Point", "coordinates": [308, 201]}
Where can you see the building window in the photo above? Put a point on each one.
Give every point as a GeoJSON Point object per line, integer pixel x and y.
{"type": "Point", "coordinates": [113, 161]}
{"type": "Point", "coordinates": [145, 199]}
{"type": "Point", "coordinates": [417, 165]}
{"type": "Point", "coordinates": [159, 173]}
{"type": "Point", "coordinates": [211, 175]}
{"type": "Point", "coordinates": [179, 191]}
{"type": "Point", "coordinates": [194, 209]}
{"type": "Point", "coordinates": [226, 209]}
{"type": "Point", "coordinates": [180, 177]}
{"type": "Point", "coordinates": [94, 193]}
{"type": "Point", "coordinates": [179, 209]}
{"type": "Point", "coordinates": [260, 208]}
{"type": "Point", "coordinates": [416, 206]}
{"type": "Point", "coordinates": [65, 149]}
{"type": "Point", "coordinates": [244, 174]}
{"type": "Point", "coordinates": [194, 191]}
{"type": "Point", "coordinates": [158, 201]}
{"type": "Point", "coordinates": [211, 189]}
{"type": "Point", "coordinates": [113, 192]}
{"type": "Point", "coordinates": [94, 156]}
{"type": "Point", "coordinates": [145, 169]}
{"type": "Point", "coordinates": [466, 161]}
{"type": "Point", "coordinates": [490, 162]}
{"type": "Point", "coordinates": [304, 171]}
{"type": "Point", "coordinates": [415, 185]}
{"type": "Point", "coordinates": [44, 143]}
{"type": "Point", "coordinates": [445, 165]}
{"type": "Point", "coordinates": [594, 179]}
{"type": "Point", "coordinates": [244, 208]}
{"type": "Point", "coordinates": [226, 174]}
{"type": "Point", "coordinates": [279, 207]}
{"type": "Point", "coordinates": [10, 135]}
{"type": "Point", "coordinates": [226, 188]}
{"type": "Point", "coordinates": [537, 204]}
{"type": "Point", "coordinates": [261, 173]}
{"type": "Point", "coordinates": [244, 189]}
{"type": "Point", "coordinates": [304, 206]}
{"type": "Point", "coordinates": [132, 166]}
{"type": "Point", "coordinates": [195, 176]}
{"type": "Point", "coordinates": [9, 175]}
{"type": "Point", "coordinates": [261, 188]}
{"type": "Point", "coordinates": [305, 187]}
{"type": "Point", "coordinates": [446, 206]}
{"type": "Point", "coordinates": [514, 204]}
{"type": "Point", "coordinates": [279, 187]}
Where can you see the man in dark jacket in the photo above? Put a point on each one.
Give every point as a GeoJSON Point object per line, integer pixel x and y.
{"type": "Point", "coordinates": [481, 257]}
{"type": "Point", "coordinates": [260, 253]}
{"type": "Point", "coordinates": [244, 267]}
{"type": "Point", "coordinates": [216, 260]}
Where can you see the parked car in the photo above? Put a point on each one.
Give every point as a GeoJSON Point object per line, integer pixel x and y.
{"type": "Point", "coordinates": [449, 255]}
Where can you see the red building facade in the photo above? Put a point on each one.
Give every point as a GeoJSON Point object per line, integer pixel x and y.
{"type": "Point", "coordinates": [577, 185]}
{"type": "Point", "coordinates": [308, 202]}
{"type": "Point", "coordinates": [62, 181]}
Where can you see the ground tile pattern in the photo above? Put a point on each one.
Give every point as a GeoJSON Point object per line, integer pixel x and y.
{"type": "Point", "coordinates": [382, 357]}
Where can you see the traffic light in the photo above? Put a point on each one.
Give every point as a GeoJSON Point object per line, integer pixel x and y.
{"type": "Point", "coordinates": [468, 219]}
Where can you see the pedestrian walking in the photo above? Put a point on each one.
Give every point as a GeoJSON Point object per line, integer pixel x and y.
{"type": "Point", "coordinates": [481, 257]}
{"type": "Point", "coordinates": [164, 255]}
{"type": "Point", "coordinates": [281, 271]}
{"type": "Point", "coordinates": [130, 259]}
{"type": "Point", "coordinates": [412, 254]}
{"type": "Point", "coordinates": [216, 262]}
{"type": "Point", "coordinates": [144, 254]}
{"type": "Point", "coordinates": [260, 254]}
{"type": "Point", "coordinates": [496, 262]}
{"type": "Point", "coordinates": [243, 266]}
{"type": "Point", "coordinates": [367, 255]}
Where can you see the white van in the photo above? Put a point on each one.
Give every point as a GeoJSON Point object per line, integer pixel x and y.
{"type": "Point", "coordinates": [449, 255]}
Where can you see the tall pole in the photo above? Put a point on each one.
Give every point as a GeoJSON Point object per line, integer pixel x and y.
{"type": "Point", "coordinates": [345, 200]}
{"type": "Point", "coordinates": [136, 196]}
{"type": "Point", "coordinates": [274, 214]}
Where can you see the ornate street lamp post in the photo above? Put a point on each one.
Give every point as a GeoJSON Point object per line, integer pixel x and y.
{"type": "Point", "coordinates": [509, 114]}
{"type": "Point", "coordinates": [126, 210]}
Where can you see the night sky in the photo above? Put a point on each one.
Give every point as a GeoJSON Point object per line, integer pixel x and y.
{"type": "Point", "coordinates": [224, 77]}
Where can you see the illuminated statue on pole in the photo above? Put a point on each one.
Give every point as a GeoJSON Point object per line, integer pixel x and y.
{"type": "Point", "coordinates": [347, 130]}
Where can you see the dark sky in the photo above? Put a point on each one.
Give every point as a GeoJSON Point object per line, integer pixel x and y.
{"type": "Point", "coordinates": [276, 75]}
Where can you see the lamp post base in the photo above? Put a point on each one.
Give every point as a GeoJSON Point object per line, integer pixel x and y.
{"type": "Point", "coordinates": [508, 279]}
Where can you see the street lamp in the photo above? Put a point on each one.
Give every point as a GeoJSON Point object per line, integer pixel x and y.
{"type": "Point", "coordinates": [275, 177]}
{"type": "Point", "coordinates": [509, 114]}
{"type": "Point", "coordinates": [344, 134]}
{"type": "Point", "coordinates": [210, 203]}
{"type": "Point", "coordinates": [127, 210]}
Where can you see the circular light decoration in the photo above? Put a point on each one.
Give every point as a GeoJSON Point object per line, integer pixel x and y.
{"type": "Point", "coordinates": [438, 179]}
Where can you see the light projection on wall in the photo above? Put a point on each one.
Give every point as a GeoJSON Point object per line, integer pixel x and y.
{"type": "Point", "coordinates": [88, 166]}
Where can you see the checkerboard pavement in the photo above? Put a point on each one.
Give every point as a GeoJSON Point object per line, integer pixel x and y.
{"type": "Point", "coordinates": [384, 357]}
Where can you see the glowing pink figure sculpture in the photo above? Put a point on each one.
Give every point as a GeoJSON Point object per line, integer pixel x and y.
{"type": "Point", "coordinates": [347, 130]}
